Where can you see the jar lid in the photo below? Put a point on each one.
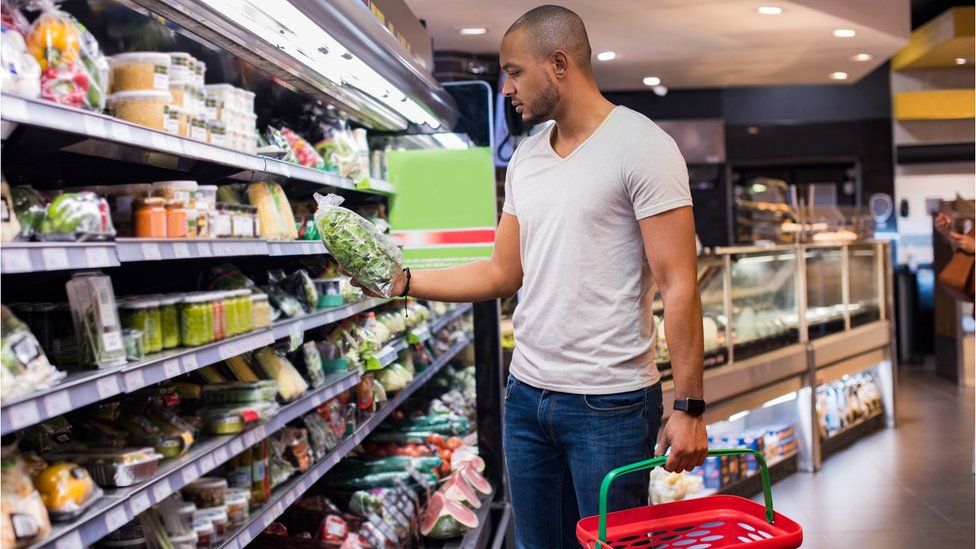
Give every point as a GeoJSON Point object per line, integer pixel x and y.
{"type": "Point", "coordinates": [194, 298]}
{"type": "Point", "coordinates": [259, 297]}
{"type": "Point", "coordinates": [151, 201]}
{"type": "Point", "coordinates": [175, 203]}
{"type": "Point", "coordinates": [207, 483]}
{"type": "Point", "coordinates": [139, 57]}
{"type": "Point", "coordinates": [175, 185]}
{"type": "Point", "coordinates": [203, 526]}
{"type": "Point", "coordinates": [154, 95]}
{"type": "Point", "coordinates": [139, 303]}
{"type": "Point", "coordinates": [215, 514]}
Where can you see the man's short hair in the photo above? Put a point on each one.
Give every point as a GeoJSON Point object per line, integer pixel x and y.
{"type": "Point", "coordinates": [550, 28]}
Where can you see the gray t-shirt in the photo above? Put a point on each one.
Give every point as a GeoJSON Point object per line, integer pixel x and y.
{"type": "Point", "coordinates": [584, 323]}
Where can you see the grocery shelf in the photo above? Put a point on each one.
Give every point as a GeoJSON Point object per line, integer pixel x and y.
{"type": "Point", "coordinates": [286, 494]}
{"type": "Point", "coordinates": [451, 316]}
{"type": "Point", "coordinates": [120, 140]}
{"type": "Point", "coordinates": [121, 505]}
{"type": "Point", "coordinates": [779, 467]}
{"type": "Point", "coordinates": [391, 350]}
{"type": "Point", "coordinates": [32, 257]}
{"type": "Point", "coordinates": [297, 325]}
{"type": "Point", "coordinates": [158, 249]}
{"type": "Point", "coordinates": [846, 436]}
{"type": "Point", "coordinates": [296, 247]}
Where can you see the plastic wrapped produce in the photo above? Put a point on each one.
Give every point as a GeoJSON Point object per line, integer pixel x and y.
{"type": "Point", "coordinates": [74, 71]}
{"type": "Point", "coordinates": [96, 320]}
{"type": "Point", "coordinates": [30, 208]}
{"type": "Point", "coordinates": [9, 224]}
{"type": "Point", "coordinates": [371, 257]}
{"type": "Point", "coordinates": [20, 73]}
{"type": "Point", "coordinates": [67, 490]}
{"type": "Point", "coordinates": [13, 18]}
{"type": "Point", "coordinates": [23, 517]}
{"type": "Point", "coordinates": [25, 367]}
{"type": "Point", "coordinates": [304, 152]}
{"type": "Point", "coordinates": [275, 218]}
{"type": "Point", "coordinates": [77, 216]}
{"type": "Point", "coordinates": [299, 284]}
{"type": "Point", "coordinates": [277, 367]}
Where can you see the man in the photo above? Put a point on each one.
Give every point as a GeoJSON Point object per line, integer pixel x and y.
{"type": "Point", "coordinates": [594, 206]}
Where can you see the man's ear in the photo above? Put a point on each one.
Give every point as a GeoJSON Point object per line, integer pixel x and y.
{"type": "Point", "coordinates": [560, 63]}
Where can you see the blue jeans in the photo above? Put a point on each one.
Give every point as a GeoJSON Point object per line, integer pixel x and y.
{"type": "Point", "coordinates": [558, 448]}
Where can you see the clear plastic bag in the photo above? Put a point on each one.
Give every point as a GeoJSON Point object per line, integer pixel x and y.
{"type": "Point", "coordinates": [371, 257]}
{"type": "Point", "coordinates": [20, 74]}
{"type": "Point", "coordinates": [25, 366]}
{"type": "Point", "coordinates": [77, 216]}
{"type": "Point", "coordinates": [303, 150]}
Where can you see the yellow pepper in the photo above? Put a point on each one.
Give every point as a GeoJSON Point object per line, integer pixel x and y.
{"type": "Point", "coordinates": [53, 40]}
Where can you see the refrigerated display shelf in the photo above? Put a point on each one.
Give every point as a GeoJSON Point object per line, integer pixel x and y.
{"type": "Point", "coordinates": [476, 538]}
{"type": "Point", "coordinates": [119, 506]}
{"type": "Point", "coordinates": [285, 495]}
{"type": "Point", "coordinates": [133, 141]}
{"type": "Point", "coordinates": [32, 257]}
{"type": "Point", "coordinates": [848, 435]}
{"type": "Point", "coordinates": [391, 350]}
{"type": "Point", "coordinates": [779, 468]}
{"type": "Point", "coordinates": [80, 389]}
{"type": "Point", "coordinates": [451, 316]}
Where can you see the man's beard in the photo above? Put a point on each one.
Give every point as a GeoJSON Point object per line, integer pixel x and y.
{"type": "Point", "coordinates": [542, 107]}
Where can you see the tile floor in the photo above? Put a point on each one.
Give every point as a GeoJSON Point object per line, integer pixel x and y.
{"type": "Point", "coordinates": [908, 487]}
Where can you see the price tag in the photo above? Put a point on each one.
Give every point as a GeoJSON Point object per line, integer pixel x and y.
{"type": "Point", "coordinates": [207, 463]}
{"type": "Point", "coordinates": [189, 474]}
{"type": "Point", "coordinates": [181, 250]}
{"type": "Point", "coordinates": [245, 536]}
{"type": "Point", "coordinates": [157, 140]}
{"type": "Point", "coordinates": [220, 455]}
{"type": "Point", "coordinates": [236, 447]}
{"type": "Point", "coordinates": [15, 109]}
{"type": "Point", "coordinates": [150, 251]}
{"type": "Point", "coordinates": [412, 338]}
{"type": "Point", "coordinates": [277, 510]}
{"type": "Point", "coordinates": [260, 433]}
{"type": "Point", "coordinates": [171, 368]}
{"type": "Point", "coordinates": [249, 438]}
{"type": "Point", "coordinates": [189, 362]}
{"type": "Point", "coordinates": [296, 333]}
{"type": "Point", "coordinates": [24, 414]}
{"type": "Point", "coordinates": [107, 386]}
{"type": "Point", "coordinates": [16, 261]}
{"type": "Point", "coordinates": [120, 132]}
{"type": "Point", "coordinates": [134, 381]}
{"type": "Point", "coordinates": [161, 490]}
{"type": "Point", "coordinates": [97, 256]}
{"type": "Point", "coordinates": [317, 400]}
{"type": "Point", "coordinates": [284, 169]}
{"type": "Point", "coordinates": [94, 126]}
{"type": "Point", "coordinates": [174, 144]}
{"type": "Point", "coordinates": [71, 540]}
{"type": "Point", "coordinates": [139, 502]}
{"type": "Point", "coordinates": [115, 519]}
{"type": "Point", "coordinates": [55, 259]}
{"type": "Point", "coordinates": [203, 249]}
{"type": "Point", "coordinates": [57, 404]}
{"type": "Point", "coordinates": [266, 519]}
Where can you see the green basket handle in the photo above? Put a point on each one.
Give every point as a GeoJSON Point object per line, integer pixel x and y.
{"type": "Point", "coordinates": [661, 460]}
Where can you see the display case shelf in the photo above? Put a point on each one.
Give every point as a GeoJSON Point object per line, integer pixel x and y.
{"type": "Point", "coordinates": [32, 257]}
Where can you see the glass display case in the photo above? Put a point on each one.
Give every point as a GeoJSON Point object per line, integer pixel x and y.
{"type": "Point", "coordinates": [764, 308]}
{"type": "Point", "coordinates": [825, 290]}
{"type": "Point", "coordinates": [864, 280]}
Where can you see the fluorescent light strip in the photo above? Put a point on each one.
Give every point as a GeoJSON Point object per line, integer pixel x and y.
{"type": "Point", "coordinates": [736, 417]}
{"type": "Point", "coordinates": [780, 400]}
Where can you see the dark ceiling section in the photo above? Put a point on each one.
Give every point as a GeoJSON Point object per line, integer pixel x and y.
{"type": "Point", "coordinates": [924, 11]}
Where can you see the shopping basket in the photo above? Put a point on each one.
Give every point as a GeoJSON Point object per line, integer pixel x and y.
{"type": "Point", "coordinates": [702, 523]}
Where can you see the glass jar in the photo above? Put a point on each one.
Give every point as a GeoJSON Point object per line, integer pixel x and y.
{"type": "Point", "coordinates": [237, 505]}
{"type": "Point", "coordinates": [217, 314]}
{"type": "Point", "coordinates": [196, 320]}
{"type": "Point", "coordinates": [241, 222]}
{"type": "Point", "coordinates": [231, 321]}
{"type": "Point", "coordinates": [260, 311]}
{"type": "Point", "coordinates": [169, 314]}
{"type": "Point", "coordinates": [143, 314]}
{"type": "Point", "coordinates": [149, 218]}
{"type": "Point", "coordinates": [246, 315]}
{"type": "Point", "coordinates": [176, 219]}
{"type": "Point", "coordinates": [222, 227]}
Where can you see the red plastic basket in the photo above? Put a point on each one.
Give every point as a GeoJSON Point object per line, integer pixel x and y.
{"type": "Point", "coordinates": [703, 523]}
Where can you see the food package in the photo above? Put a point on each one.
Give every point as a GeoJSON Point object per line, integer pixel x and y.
{"type": "Point", "coordinates": [67, 490]}
{"type": "Point", "coordinates": [77, 217]}
{"type": "Point", "coordinates": [371, 257]}
{"type": "Point", "coordinates": [300, 285]}
{"type": "Point", "coordinates": [9, 225]}
{"type": "Point", "coordinates": [275, 366]}
{"type": "Point", "coordinates": [74, 71]}
{"type": "Point", "coordinates": [20, 73]}
{"type": "Point", "coordinates": [31, 209]}
{"type": "Point", "coordinates": [338, 148]}
{"type": "Point", "coordinates": [275, 218]}
{"type": "Point", "coordinates": [13, 18]}
{"type": "Point", "coordinates": [96, 320]}
{"type": "Point", "coordinates": [304, 152]}
{"type": "Point", "coordinates": [23, 517]}
{"type": "Point", "coordinates": [283, 301]}
{"type": "Point", "coordinates": [25, 367]}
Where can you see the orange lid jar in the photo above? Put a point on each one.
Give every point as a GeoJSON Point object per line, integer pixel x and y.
{"type": "Point", "coordinates": [149, 218]}
{"type": "Point", "coordinates": [176, 220]}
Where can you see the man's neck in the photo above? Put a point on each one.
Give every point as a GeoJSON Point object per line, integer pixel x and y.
{"type": "Point", "coordinates": [581, 113]}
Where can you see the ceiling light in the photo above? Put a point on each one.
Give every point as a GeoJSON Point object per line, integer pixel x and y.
{"type": "Point", "coordinates": [960, 60]}
{"type": "Point", "coordinates": [838, 76]}
{"type": "Point", "coordinates": [660, 91]}
{"type": "Point", "coordinates": [844, 33]}
{"type": "Point", "coordinates": [651, 81]}
{"type": "Point", "coordinates": [753, 130]}
{"type": "Point", "coordinates": [862, 57]}
{"type": "Point", "coordinates": [606, 56]}
{"type": "Point", "coordinates": [769, 10]}
{"type": "Point", "coordinates": [473, 31]}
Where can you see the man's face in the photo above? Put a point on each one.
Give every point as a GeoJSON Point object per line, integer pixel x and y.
{"type": "Point", "coordinates": [528, 84]}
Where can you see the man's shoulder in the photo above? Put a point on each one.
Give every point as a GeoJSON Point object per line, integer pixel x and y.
{"type": "Point", "coordinates": [635, 124]}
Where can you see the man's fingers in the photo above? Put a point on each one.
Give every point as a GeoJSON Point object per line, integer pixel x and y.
{"type": "Point", "coordinates": [662, 445]}
{"type": "Point", "coordinates": [955, 235]}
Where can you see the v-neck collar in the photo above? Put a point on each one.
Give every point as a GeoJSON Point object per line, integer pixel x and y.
{"type": "Point", "coordinates": [585, 141]}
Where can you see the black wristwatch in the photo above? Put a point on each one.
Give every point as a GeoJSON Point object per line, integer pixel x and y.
{"type": "Point", "coordinates": [694, 407]}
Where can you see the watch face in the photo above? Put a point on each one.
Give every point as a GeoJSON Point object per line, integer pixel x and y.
{"type": "Point", "coordinates": [696, 407]}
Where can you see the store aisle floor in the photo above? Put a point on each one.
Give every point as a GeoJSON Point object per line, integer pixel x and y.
{"type": "Point", "coordinates": [908, 487]}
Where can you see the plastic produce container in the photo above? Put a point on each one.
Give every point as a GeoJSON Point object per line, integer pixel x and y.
{"type": "Point", "coordinates": [116, 468]}
{"type": "Point", "coordinates": [140, 71]}
{"type": "Point", "coordinates": [240, 392]}
{"type": "Point", "coordinates": [204, 529]}
{"type": "Point", "coordinates": [218, 517]}
{"type": "Point", "coordinates": [330, 292]}
{"type": "Point", "coordinates": [228, 420]}
{"type": "Point", "coordinates": [237, 501]}
{"type": "Point", "coordinates": [179, 66]}
{"type": "Point", "coordinates": [205, 492]}
{"type": "Point", "coordinates": [132, 340]}
{"type": "Point", "coordinates": [146, 108]}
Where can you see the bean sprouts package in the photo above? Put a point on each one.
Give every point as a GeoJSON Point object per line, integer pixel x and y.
{"type": "Point", "coordinates": [371, 257]}
{"type": "Point", "coordinates": [74, 71]}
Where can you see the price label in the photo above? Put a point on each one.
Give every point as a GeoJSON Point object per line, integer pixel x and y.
{"type": "Point", "coordinates": [317, 400]}
{"type": "Point", "coordinates": [57, 404]}
{"type": "Point", "coordinates": [134, 381]}
{"type": "Point", "coordinates": [249, 438]}
{"type": "Point", "coordinates": [174, 144]}
{"type": "Point", "coordinates": [309, 248]}
{"type": "Point", "coordinates": [139, 502]}
{"type": "Point", "coordinates": [16, 261]}
{"type": "Point", "coordinates": [189, 474]}
{"type": "Point", "coordinates": [245, 536]}
{"type": "Point", "coordinates": [284, 169]}
{"type": "Point", "coordinates": [120, 132]}
{"type": "Point", "coordinates": [55, 259]}
{"type": "Point", "coordinates": [203, 249]}
{"type": "Point", "coordinates": [115, 519]}
{"type": "Point", "coordinates": [16, 110]}
{"type": "Point", "coordinates": [278, 510]}
{"type": "Point", "coordinates": [236, 447]}
{"type": "Point", "coordinates": [161, 490]}
{"type": "Point", "coordinates": [296, 334]}
{"type": "Point", "coordinates": [260, 433]}
{"type": "Point", "coordinates": [266, 519]}
{"type": "Point", "coordinates": [24, 414]}
{"type": "Point", "coordinates": [150, 251]}
{"type": "Point", "coordinates": [171, 368]}
{"type": "Point", "coordinates": [181, 250]}
{"type": "Point", "coordinates": [157, 140]}
{"type": "Point", "coordinates": [107, 386]}
{"type": "Point", "coordinates": [94, 126]}
{"type": "Point", "coordinates": [207, 463]}
{"type": "Point", "coordinates": [220, 455]}
{"type": "Point", "coordinates": [97, 256]}
{"type": "Point", "coordinates": [71, 540]}
{"type": "Point", "coordinates": [189, 362]}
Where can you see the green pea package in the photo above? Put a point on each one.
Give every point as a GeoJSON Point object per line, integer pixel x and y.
{"type": "Point", "coordinates": [357, 245]}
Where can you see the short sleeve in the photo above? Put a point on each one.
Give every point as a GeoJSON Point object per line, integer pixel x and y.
{"type": "Point", "coordinates": [657, 177]}
{"type": "Point", "coordinates": [509, 205]}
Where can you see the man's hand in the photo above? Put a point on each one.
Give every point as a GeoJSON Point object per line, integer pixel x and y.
{"type": "Point", "coordinates": [399, 283]}
{"type": "Point", "coordinates": [686, 437]}
{"type": "Point", "coordinates": [962, 242]}
{"type": "Point", "coordinates": [943, 223]}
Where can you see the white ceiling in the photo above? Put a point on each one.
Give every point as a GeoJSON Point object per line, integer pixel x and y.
{"type": "Point", "coordinates": [699, 43]}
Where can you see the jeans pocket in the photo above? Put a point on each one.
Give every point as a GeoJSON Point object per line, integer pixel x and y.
{"type": "Point", "coordinates": [615, 403]}
{"type": "Point", "coordinates": [510, 386]}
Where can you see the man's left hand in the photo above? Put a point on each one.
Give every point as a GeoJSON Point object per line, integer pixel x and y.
{"type": "Point", "coordinates": [688, 440]}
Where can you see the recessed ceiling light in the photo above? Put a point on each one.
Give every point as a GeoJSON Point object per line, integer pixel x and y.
{"type": "Point", "coordinates": [960, 60]}
{"type": "Point", "coordinates": [753, 130]}
{"type": "Point", "coordinates": [862, 57]}
{"type": "Point", "coordinates": [769, 10]}
{"type": "Point", "coordinates": [473, 31]}
{"type": "Point", "coordinates": [838, 76]}
{"type": "Point", "coordinates": [651, 81]}
{"type": "Point", "coordinates": [606, 56]}
{"type": "Point", "coordinates": [844, 33]}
